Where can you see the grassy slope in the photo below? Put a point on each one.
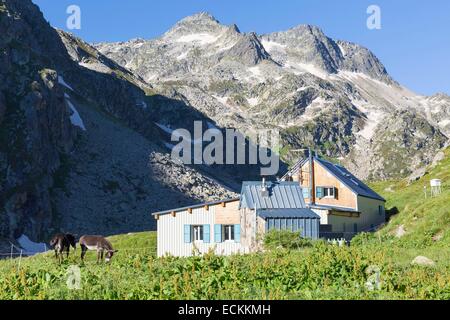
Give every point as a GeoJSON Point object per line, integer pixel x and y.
{"type": "Point", "coordinates": [425, 220]}
{"type": "Point", "coordinates": [321, 272]}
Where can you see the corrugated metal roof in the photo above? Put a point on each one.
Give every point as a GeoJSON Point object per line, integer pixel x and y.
{"type": "Point", "coordinates": [211, 203]}
{"type": "Point", "coordinates": [287, 213]}
{"type": "Point", "coordinates": [347, 178]}
{"type": "Point", "coordinates": [281, 195]}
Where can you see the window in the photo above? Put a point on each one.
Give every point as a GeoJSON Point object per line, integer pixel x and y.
{"type": "Point", "coordinates": [380, 210]}
{"type": "Point", "coordinates": [326, 192]}
{"type": "Point", "coordinates": [197, 233]}
{"type": "Point", "coordinates": [228, 232]}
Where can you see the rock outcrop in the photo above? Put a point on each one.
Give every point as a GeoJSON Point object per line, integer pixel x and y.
{"type": "Point", "coordinates": [78, 135]}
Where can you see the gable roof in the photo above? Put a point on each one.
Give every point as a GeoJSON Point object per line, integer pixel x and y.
{"type": "Point", "coordinates": [294, 168]}
{"type": "Point", "coordinates": [281, 195]}
{"type": "Point", "coordinates": [199, 205]}
{"type": "Point", "coordinates": [342, 174]}
{"type": "Point", "coordinates": [348, 179]}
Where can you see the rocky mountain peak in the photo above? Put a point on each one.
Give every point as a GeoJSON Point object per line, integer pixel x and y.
{"type": "Point", "coordinates": [309, 45]}
{"type": "Point", "coordinates": [248, 49]}
{"type": "Point", "coordinates": [199, 23]}
{"type": "Point", "coordinates": [303, 29]}
{"type": "Point", "coordinates": [234, 28]}
{"type": "Point", "coordinates": [200, 17]}
{"type": "Point", "coordinates": [440, 96]}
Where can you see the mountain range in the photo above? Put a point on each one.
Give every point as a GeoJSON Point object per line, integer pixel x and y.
{"type": "Point", "coordinates": [85, 128]}
{"type": "Point", "coordinates": [333, 96]}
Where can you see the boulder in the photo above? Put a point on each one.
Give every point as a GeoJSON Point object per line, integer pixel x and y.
{"type": "Point", "coordinates": [400, 231]}
{"type": "Point", "coordinates": [438, 236]}
{"type": "Point", "coordinates": [423, 261]}
{"type": "Point", "coordinates": [417, 175]}
{"type": "Point", "coordinates": [438, 158]}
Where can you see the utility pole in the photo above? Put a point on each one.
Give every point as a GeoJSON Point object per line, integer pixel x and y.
{"type": "Point", "coordinates": [312, 193]}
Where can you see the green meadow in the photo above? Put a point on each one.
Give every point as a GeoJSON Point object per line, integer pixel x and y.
{"type": "Point", "coordinates": [374, 266]}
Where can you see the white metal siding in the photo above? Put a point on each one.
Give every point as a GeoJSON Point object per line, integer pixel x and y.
{"type": "Point", "coordinates": [323, 215]}
{"type": "Point", "coordinates": [170, 236]}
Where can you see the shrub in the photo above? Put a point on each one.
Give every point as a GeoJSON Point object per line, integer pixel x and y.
{"type": "Point", "coordinates": [275, 239]}
{"type": "Point", "coordinates": [363, 238]}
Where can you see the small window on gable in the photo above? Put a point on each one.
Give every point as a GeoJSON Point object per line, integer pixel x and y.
{"type": "Point", "coordinates": [327, 192]}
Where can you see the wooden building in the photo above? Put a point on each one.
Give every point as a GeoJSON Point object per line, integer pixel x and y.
{"type": "Point", "coordinates": [344, 203]}
{"type": "Point", "coordinates": [234, 225]}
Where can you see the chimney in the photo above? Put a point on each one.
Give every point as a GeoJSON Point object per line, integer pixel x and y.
{"type": "Point", "coordinates": [264, 191]}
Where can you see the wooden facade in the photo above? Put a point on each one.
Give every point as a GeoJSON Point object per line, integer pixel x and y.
{"type": "Point", "coordinates": [344, 197]}
{"type": "Point", "coordinates": [227, 213]}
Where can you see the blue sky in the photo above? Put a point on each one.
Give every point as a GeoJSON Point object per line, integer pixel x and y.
{"type": "Point", "coordinates": [413, 42]}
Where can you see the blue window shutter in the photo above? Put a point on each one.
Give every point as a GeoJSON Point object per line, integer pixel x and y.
{"type": "Point", "coordinates": [218, 233]}
{"type": "Point", "coordinates": [237, 233]}
{"type": "Point", "coordinates": [187, 233]}
{"type": "Point", "coordinates": [206, 236]}
{"type": "Point", "coordinates": [305, 193]}
{"type": "Point", "coordinates": [319, 192]}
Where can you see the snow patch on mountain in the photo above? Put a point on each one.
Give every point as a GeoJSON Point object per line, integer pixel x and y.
{"type": "Point", "coordinates": [222, 100]}
{"type": "Point", "coordinates": [75, 118]}
{"type": "Point", "coordinates": [257, 73]}
{"type": "Point", "coordinates": [183, 55]}
{"type": "Point", "coordinates": [271, 46]}
{"type": "Point", "coordinates": [373, 119]}
{"type": "Point", "coordinates": [299, 68]}
{"type": "Point", "coordinates": [96, 66]}
{"type": "Point", "coordinates": [199, 38]}
{"type": "Point", "coordinates": [64, 83]}
{"type": "Point", "coordinates": [253, 101]}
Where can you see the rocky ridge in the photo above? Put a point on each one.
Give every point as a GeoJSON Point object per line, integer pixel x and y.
{"type": "Point", "coordinates": [67, 116]}
{"type": "Point", "coordinates": [334, 96]}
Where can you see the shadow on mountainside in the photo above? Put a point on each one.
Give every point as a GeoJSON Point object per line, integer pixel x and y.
{"type": "Point", "coordinates": [113, 175]}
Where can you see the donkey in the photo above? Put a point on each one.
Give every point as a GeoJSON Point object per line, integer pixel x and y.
{"type": "Point", "coordinates": [99, 243]}
{"type": "Point", "coordinates": [61, 242]}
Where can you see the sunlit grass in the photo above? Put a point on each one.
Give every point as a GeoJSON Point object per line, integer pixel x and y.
{"type": "Point", "coordinates": [319, 271]}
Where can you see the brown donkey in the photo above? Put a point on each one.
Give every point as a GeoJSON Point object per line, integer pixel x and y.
{"type": "Point", "coordinates": [99, 243]}
{"type": "Point", "coordinates": [61, 243]}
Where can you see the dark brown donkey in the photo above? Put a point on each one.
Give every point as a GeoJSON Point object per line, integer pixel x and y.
{"type": "Point", "coordinates": [61, 243]}
{"type": "Point", "coordinates": [98, 243]}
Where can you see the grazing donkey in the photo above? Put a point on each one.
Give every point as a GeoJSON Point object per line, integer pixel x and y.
{"type": "Point", "coordinates": [61, 243]}
{"type": "Point", "coordinates": [98, 243]}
